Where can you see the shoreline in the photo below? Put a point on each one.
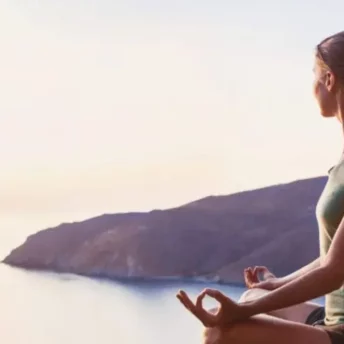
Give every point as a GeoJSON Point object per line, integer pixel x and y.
{"type": "Point", "coordinates": [133, 279]}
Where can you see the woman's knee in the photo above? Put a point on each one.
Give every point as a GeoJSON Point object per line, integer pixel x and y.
{"type": "Point", "coordinates": [229, 335]}
{"type": "Point", "coordinates": [212, 336]}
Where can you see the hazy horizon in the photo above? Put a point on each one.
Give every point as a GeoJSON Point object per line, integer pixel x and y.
{"type": "Point", "coordinates": [115, 106]}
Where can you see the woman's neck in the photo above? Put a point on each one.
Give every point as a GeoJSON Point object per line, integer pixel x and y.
{"type": "Point", "coordinates": [340, 107]}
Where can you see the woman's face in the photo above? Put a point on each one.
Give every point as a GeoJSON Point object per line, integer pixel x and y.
{"type": "Point", "coordinates": [323, 88]}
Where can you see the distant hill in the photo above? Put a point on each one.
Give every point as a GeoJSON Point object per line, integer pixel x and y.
{"type": "Point", "coordinates": [212, 238]}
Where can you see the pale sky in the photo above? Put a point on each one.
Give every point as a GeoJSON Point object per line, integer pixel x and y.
{"type": "Point", "coordinates": [120, 105]}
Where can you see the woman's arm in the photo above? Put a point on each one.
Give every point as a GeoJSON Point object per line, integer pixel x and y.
{"type": "Point", "coordinates": [311, 281]}
{"type": "Point", "coordinates": [315, 283]}
{"type": "Point", "coordinates": [328, 276]}
{"type": "Point", "coordinates": [270, 281]}
{"type": "Point", "coordinates": [301, 272]}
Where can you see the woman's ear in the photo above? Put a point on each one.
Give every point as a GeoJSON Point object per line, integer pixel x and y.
{"type": "Point", "coordinates": [330, 81]}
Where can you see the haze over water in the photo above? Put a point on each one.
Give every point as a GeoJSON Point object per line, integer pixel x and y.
{"type": "Point", "coordinates": [127, 105]}
{"type": "Point", "coordinates": [112, 106]}
{"type": "Point", "coordinates": [47, 308]}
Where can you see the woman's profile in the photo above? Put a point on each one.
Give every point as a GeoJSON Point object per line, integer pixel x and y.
{"type": "Point", "coordinates": [277, 310]}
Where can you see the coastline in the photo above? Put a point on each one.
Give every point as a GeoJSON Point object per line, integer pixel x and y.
{"type": "Point", "coordinates": [133, 279]}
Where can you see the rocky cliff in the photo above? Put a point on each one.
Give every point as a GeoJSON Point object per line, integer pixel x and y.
{"type": "Point", "coordinates": [212, 238]}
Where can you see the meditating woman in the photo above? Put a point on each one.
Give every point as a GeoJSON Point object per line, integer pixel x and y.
{"type": "Point", "coordinates": [277, 310]}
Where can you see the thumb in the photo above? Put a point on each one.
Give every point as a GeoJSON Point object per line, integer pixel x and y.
{"type": "Point", "coordinates": [217, 295]}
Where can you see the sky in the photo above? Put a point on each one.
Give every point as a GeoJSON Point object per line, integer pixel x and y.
{"type": "Point", "coordinates": [122, 105]}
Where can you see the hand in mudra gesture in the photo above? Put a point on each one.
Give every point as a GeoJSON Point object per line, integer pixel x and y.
{"type": "Point", "coordinates": [228, 312]}
{"type": "Point", "coordinates": [269, 280]}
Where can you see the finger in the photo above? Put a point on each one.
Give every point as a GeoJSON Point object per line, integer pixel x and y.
{"type": "Point", "coordinates": [202, 315]}
{"type": "Point", "coordinates": [248, 270]}
{"type": "Point", "coordinates": [246, 277]}
{"type": "Point", "coordinates": [186, 304]}
{"type": "Point", "coordinates": [261, 269]}
{"type": "Point", "coordinates": [249, 282]}
{"type": "Point", "coordinates": [264, 271]}
{"type": "Point", "coordinates": [184, 298]}
{"type": "Point", "coordinates": [217, 295]}
{"type": "Point", "coordinates": [248, 273]}
{"type": "Point", "coordinates": [219, 318]}
{"type": "Point", "coordinates": [208, 318]}
{"type": "Point", "coordinates": [254, 277]}
{"type": "Point", "coordinates": [203, 318]}
{"type": "Point", "coordinates": [194, 312]}
{"type": "Point", "coordinates": [251, 277]}
{"type": "Point", "coordinates": [199, 300]}
{"type": "Point", "coordinates": [182, 301]}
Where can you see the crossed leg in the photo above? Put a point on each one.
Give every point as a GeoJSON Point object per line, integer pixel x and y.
{"type": "Point", "coordinates": [266, 329]}
{"type": "Point", "coordinates": [283, 326]}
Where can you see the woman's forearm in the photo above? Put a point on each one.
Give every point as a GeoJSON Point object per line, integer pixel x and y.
{"type": "Point", "coordinates": [301, 272]}
{"type": "Point", "coordinates": [313, 284]}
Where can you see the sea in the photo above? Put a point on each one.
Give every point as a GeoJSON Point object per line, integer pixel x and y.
{"type": "Point", "coordinates": [49, 308]}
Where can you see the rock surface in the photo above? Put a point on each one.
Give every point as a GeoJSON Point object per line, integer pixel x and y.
{"type": "Point", "coordinates": [214, 238]}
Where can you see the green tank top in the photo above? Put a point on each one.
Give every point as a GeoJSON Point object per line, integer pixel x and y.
{"type": "Point", "coordinates": [329, 212]}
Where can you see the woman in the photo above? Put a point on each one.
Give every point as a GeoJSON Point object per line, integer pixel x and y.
{"type": "Point", "coordinates": [276, 310]}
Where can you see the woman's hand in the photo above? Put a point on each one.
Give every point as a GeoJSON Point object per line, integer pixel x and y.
{"type": "Point", "coordinates": [269, 280]}
{"type": "Point", "coordinates": [228, 312]}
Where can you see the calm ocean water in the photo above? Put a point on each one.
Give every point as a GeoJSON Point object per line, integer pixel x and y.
{"type": "Point", "coordinates": [47, 308]}
{"type": "Point", "coordinates": [44, 308]}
